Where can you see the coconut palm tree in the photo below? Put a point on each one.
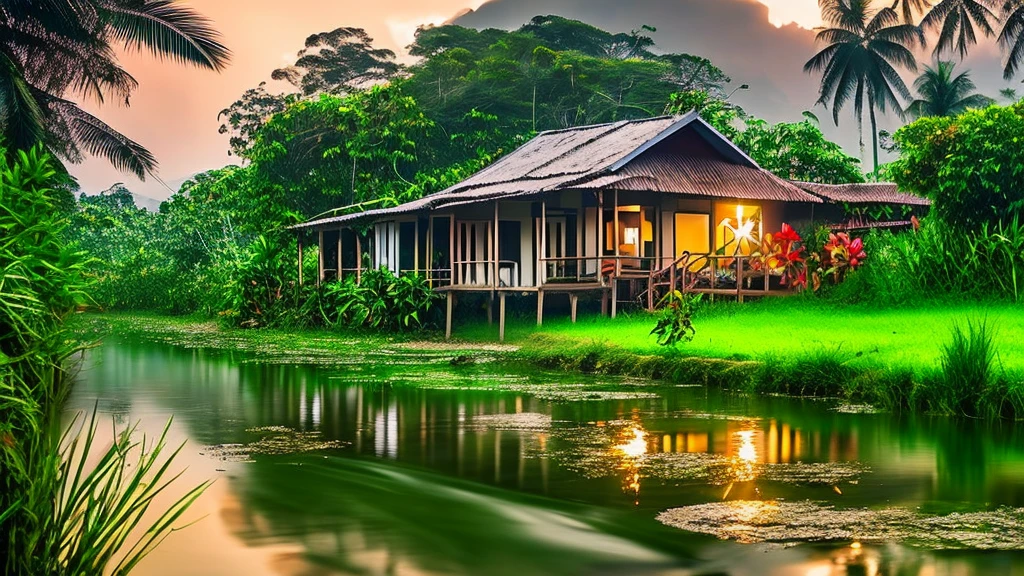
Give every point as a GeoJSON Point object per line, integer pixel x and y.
{"type": "Point", "coordinates": [863, 49]}
{"type": "Point", "coordinates": [54, 51]}
{"type": "Point", "coordinates": [958, 23]}
{"type": "Point", "coordinates": [1011, 38]}
{"type": "Point", "coordinates": [943, 94]}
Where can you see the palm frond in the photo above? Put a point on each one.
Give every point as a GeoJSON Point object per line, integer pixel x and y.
{"type": "Point", "coordinates": [1011, 37]}
{"type": "Point", "coordinates": [21, 115]}
{"type": "Point", "coordinates": [908, 8]}
{"type": "Point", "coordinates": [168, 29]}
{"type": "Point", "coordinates": [973, 101]}
{"type": "Point", "coordinates": [99, 139]}
{"type": "Point", "coordinates": [957, 21]}
{"type": "Point", "coordinates": [822, 58]}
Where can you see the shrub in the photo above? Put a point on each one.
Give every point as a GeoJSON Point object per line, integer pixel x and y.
{"type": "Point", "coordinates": [55, 516]}
{"type": "Point", "coordinates": [970, 165]}
{"type": "Point", "coordinates": [381, 301]}
{"type": "Point", "coordinates": [261, 292]}
{"type": "Point", "coordinates": [937, 261]}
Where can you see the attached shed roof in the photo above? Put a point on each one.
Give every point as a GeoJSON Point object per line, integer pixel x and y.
{"type": "Point", "coordinates": [872, 193]}
{"type": "Point", "coordinates": [624, 155]}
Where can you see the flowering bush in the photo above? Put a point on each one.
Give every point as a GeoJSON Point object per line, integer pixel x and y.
{"type": "Point", "coordinates": [842, 254]}
{"type": "Point", "coordinates": [782, 255]}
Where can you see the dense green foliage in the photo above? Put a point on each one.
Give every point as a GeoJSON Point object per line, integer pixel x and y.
{"type": "Point", "coordinates": [791, 150]}
{"type": "Point", "coordinates": [58, 516]}
{"type": "Point", "coordinates": [936, 262]}
{"type": "Point", "coordinates": [380, 301]}
{"type": "Point", "coordinates": [971, 165]}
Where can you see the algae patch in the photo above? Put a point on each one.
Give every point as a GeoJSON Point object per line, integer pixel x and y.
{"type": "Point", "coordinates": [790, 523]}
{"type": "Point", "coordinates": [276, 440]}
{"type": "Point", "coordinates": [520, 422]}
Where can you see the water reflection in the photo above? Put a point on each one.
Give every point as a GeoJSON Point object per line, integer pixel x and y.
{"type": "Point", "coordinates": [631, 450]}
{"type": "Point", "coordinates": [463, 438]}
{"type": "Point", "coordinates": [744, 442]}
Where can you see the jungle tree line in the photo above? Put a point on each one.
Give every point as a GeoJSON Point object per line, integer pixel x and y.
{"type": "Point", "coordinates": [359, 131]}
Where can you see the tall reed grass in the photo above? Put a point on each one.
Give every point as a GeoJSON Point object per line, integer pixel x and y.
{"type": "Point", "coordinates": [56, 515]}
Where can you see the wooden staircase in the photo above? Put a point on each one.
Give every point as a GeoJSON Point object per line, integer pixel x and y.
{"type": "Point", "coordinates": [672, 277]}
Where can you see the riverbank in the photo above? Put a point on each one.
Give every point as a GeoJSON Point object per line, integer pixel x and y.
{"type": "Point", "coordinates": [893, 359]}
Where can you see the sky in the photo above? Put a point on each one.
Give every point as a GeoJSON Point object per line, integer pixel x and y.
{"type": "Point", "coordinates": [762, 43]}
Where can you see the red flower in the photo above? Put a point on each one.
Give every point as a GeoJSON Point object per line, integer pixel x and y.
{"type": "Point", "coordinates": [788, 234]}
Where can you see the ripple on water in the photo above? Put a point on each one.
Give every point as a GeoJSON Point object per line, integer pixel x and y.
{"type": "Point", "coordinates": [790, 523]}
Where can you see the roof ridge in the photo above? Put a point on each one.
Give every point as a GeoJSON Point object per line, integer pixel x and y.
{"type": "Point", "coordinates": [589, 126]}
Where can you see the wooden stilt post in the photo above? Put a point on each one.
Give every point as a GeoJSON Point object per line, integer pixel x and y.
{"type": "Point", "coordinates": [542, 262]}
{"type": "Point", "coordinates": [337, 273]}
{"type": "Point", "coordinates": [573, 299]}
{"type": "Point", "coordinates": [320, 258]}
{"type": "Point", "coordinates": [497, 249]}
{"type": "Point", "coordinates": [501, 316]}
{"type": "Point", "coordinates": [456, 244]}
{"type": "Point", "coordinates": [416, 249]}
{"type": "Point", "coordinates": [359, 259]}
{"type": "Point", "coordinates": [600, 238]}
{"type": "Point", "coordinates": [490, 310]}
{"type": "Point", "coordinates": [615, 297]}
{"type": "Point", "coordinates": [300, 258]}
{"type": "Point", "coordinates": [448, 316]}
{"type": "Point", "coordinates": [618, 263]}
{"type": "Point", "coordinates": [616, 233]}
{"type": "Point", "coordinates": [540, 307]}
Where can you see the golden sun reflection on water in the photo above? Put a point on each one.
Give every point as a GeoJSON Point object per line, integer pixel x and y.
{"type": "Point", "coordinates": [632, 447]}
{"type": "Point", "coordinates": [745, 454]}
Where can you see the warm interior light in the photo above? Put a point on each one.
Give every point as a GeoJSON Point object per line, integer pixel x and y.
{"type": "Point", "coordinates": [739, 235]}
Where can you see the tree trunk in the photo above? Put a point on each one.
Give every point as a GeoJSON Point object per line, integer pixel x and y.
{"type": "Point", "coordinates": [874, 134]}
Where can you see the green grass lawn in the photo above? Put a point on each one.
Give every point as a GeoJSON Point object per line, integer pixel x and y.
{"type": "Point", "coordinates": [779, 329]}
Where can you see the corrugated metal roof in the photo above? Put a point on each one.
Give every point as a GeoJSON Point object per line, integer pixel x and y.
{"type": "Point", "coordinates": [618, 155]}
{"type": "Point", "coordinates": [706, 177]}
{"type": "Point", "coordinates": [872, 193]}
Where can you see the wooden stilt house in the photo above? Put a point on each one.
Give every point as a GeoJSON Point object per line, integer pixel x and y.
{"type": "Point", "coordinates": [626, 210]}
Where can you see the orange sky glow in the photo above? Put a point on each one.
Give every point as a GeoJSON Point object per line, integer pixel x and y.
{"type": "Point", "coordinates": [804, 13]}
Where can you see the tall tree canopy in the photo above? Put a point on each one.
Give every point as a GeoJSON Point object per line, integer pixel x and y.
{"type": "Point", "coordinates": [551, 73]}
{"type": "Point", "coordinates": [55, 50]}
{"type": "Point", "coordinates": [943, 94]}
{"type": "Point", "coordinates": [338, 62]}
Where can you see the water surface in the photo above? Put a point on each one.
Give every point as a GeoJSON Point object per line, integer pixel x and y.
{"type": "Point", "coordinates": [398, 462]}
